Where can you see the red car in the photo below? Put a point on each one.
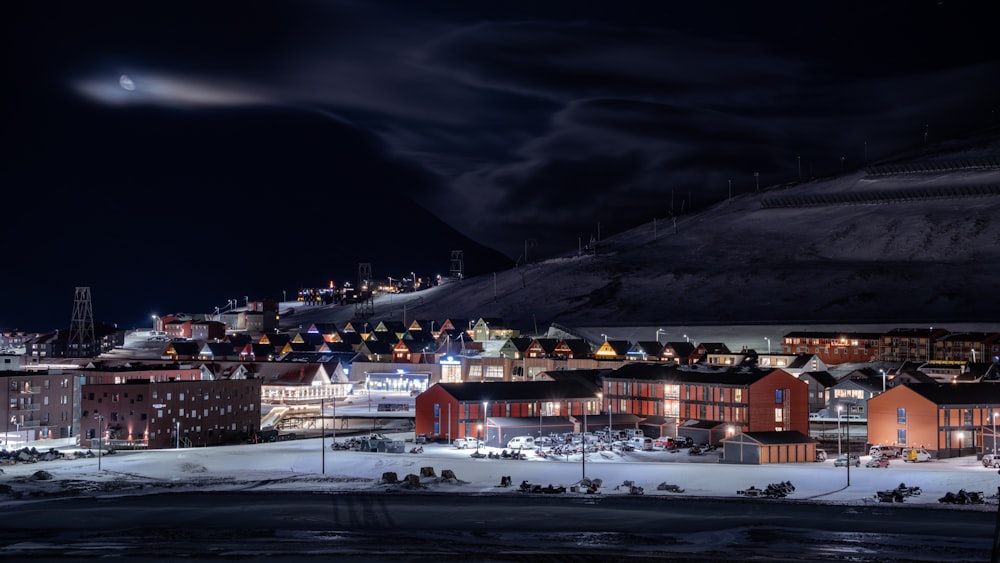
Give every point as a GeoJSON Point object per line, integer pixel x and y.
{"type": "Point", "coordinates": [877, 462]}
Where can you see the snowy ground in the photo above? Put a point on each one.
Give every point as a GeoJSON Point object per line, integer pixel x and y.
{"type": "Point", "coordinates": [304, 464]}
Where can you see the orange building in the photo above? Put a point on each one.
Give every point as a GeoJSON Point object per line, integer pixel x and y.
{"type": "Point", "coordinates": [750, 400]}
{"type": "Point", "coordinates": [947, 419]}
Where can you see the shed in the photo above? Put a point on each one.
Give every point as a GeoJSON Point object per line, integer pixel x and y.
{"type": "Point", "coordinates": [704, 431]}
{"type": "Point", "coordinates": [758, 448]}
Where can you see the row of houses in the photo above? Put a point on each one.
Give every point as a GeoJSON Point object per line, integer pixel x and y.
{"type": "Point", "coordinates": [173, 404]}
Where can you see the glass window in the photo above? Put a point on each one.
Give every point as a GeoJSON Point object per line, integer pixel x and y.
{"type": "Point", "coordinates": [779, 396]}
{"type": "Point", "coordinates": [901, 436]}
{"type": "Point", "coordinates": [901, 419]}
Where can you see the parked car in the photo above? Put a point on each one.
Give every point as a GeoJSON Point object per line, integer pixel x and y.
{"type": "Point", "coordinates": [877, 462]}
{"type": "Point", "coordinates": [916, 454]}
{"type": "Point", "coordinates": [841, 461]}
{"type": "Point", "coordinates": [879, 450]}
{"type": "Point", "coordinates": [991, 460]}
{"type": "Point", "coordinates": [468, 442]}
{"type": "Point", "coordinates": [663, 442]}
{"type": "Point", "coordinates": [820, 454]}
{"type": "Point", "coordinates": [521, 442]}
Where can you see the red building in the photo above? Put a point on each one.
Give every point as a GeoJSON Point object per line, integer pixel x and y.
{"type": "Point", "coordinates": [834, 347]}
{"type": "Point", "coordinates": [139, 413]}
{"type": "Point", "coordinates": [747, 400]}
{"type": "Point", "coordinates": [447, 411]}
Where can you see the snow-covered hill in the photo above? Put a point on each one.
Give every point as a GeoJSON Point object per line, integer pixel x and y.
{"type": "Point", "coordinates": [892, 256]}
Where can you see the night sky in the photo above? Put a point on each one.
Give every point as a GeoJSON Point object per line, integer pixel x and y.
{"type": "Point", "coordinates": [176, 156]}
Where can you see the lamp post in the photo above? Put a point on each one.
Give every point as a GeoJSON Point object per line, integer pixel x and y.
{"type": "Point", "coordinates": [479, 438]}
{"type": "Point", "coordinates": [539, 419]}
{"type": "Point", "coordinates": [583, 443]}
{"type": "Point", "coordinates": [486, 425]}
{"type": "Point", "coordinates": [658, 331]}
{"type": "Point", "coordinates": [848, 448]}
{"type": "Point", "coordinates": [686, 339]}
{"type": "Point", "coordinates": [322, 421]}
{"type": "Point", "coordinates": [883, 380]}
{"type": "Point", "coordinates": [839, 409]}
{"type": "Point", "coordinates": [995, 432]}
{"type": "Point", "coordinates": [100, 436]}
{"type": "Point", "coordinates": [177, 444]}
{"type": "Point", "coordinates": [768, 344]}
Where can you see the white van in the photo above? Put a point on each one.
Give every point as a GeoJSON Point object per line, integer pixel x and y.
{"type": "Point", "coordinates": [521, 443]}
{"type": "Point", "coordinates": [640, 443]}
{"type": "Point", "coordinates": [916, 455]}
{"type": "Point", "coordinates": [879, 450]}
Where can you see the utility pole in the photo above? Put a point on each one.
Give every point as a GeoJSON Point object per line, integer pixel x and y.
{"type": "Point", "coordinates": [730, 191]}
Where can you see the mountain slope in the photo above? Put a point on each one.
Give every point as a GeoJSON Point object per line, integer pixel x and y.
{"type": "Point", "coordinates": [915, 247]}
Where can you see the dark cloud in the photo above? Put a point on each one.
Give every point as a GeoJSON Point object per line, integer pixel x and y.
{"type": "Point", "coordinates": [505, 122]}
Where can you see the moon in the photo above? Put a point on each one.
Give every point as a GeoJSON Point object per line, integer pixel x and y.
{"type": "Point", "coordinates": [125, 82]}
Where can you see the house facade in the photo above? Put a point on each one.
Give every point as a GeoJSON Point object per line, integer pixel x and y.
{"type": "Point", "coordinates": [834, 347]}
{"type": "Point", "coordinates": [749, 400]}
{"type": "Point", "coordinates": [39, 406]}
{"type": "Point", "coordinates": [140, 414]}
{"type": "Point", "coordinates": [447, 411]}
{"type": "Point", "coordinates": [948, 420]}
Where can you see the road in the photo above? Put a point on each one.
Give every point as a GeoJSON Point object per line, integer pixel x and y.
{"type": "Point", "coordinates": [273, 526]}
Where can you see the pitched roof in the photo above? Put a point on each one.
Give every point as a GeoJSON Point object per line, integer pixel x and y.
{"type": "Point", "coordinates": [779, 437]}
{"type": "Point", "coordinates": [824, 378]}
{"type": "Point", "coordinates": [958, 393]}
{"type": "Point", "coordinates": [672, 373]}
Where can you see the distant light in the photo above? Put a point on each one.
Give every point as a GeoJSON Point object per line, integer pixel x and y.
{"type": "Point", "coordinates": [125, 82]}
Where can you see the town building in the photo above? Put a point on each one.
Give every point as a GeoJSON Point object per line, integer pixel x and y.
{"type": "Point", "coordinates": [948, 420]}
{"type": "Point", "coordinates": [447, 411]}
{"type": "Point", "coordinates": [141, 414]}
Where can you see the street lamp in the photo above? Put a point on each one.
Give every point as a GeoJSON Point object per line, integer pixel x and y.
{"type": "Point", "coordinates": [178, 436]}
{"type": "Point", "coordinates": [100, 435]}
{"type": "Point", "coordinates": [686, 339]}
{"type": "Point", "coordinates": [486, 425]}
{"type": "Point", "coordinates": [322, 421]}
{"type": "Point", "coordinates": [883, 380]}
{"type": "Point", "coordinates": [658, 331]}
{"type": "Point", "coordinates": [995, 432]}
{"type": "Point", "coordinates": [155, 318]}
{"type": "Point", "coordinates": [479, 438]}
{"type": "Point", "coordinates": [839, 409]}
{"type": "Point", "coordinates": [583, 442]}
{"type": "Point", "coordinates": [768, 344]}
{"type": "Point", "coordinates": [848, 448]}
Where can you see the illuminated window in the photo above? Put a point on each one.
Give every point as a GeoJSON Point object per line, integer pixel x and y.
{"type": "Point", "coordinates": [778, 413]}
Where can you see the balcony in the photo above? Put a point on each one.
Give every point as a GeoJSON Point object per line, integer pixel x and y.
{"type": "Point", "coordinates": [29, 389]}
{"type": "Point", "coordinates": [29, 406]}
